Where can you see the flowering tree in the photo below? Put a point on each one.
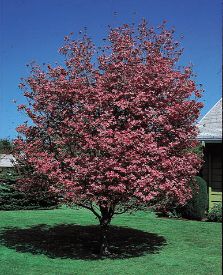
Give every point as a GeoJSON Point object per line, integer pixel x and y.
{"type": "Point", "coordinates": [114, 134]}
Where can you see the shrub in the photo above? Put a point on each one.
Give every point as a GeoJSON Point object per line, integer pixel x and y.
{"type": "Point", "coordinates": [196, 207]}
{"type": "Point", "coordinates": [215, 213]}
{"type": "Point", "coordinates": [13, 199]}
{"type": "Point", "coordinates": [5, 146]}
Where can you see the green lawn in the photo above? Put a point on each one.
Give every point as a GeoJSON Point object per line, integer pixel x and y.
{"type": "Point", "coordinates": [49, 242]}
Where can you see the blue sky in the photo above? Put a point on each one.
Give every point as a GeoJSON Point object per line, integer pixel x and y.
{"type": "Point", "coordinates": [34, 30]}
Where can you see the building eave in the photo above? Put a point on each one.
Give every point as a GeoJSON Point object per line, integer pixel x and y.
{"type": "Point", "coordinates": [210, 139]}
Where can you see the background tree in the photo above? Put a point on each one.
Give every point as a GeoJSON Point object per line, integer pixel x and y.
{"type": "Point", "coordinates": [114, 127]}
{"type": "Point", "coordinates": [11, 198]}
{"type": "Point", "coordinates": [6, 146]}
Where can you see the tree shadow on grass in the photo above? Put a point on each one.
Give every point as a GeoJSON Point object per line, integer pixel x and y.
{"type": "Point", "coordinates": [80, 242]}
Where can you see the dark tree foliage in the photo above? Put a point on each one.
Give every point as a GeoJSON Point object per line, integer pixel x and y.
{"type": "Point", "coordinates": [196, 207]}
{"type": "Point", "coordinates": [13, 199]}
{"type": "Point", "coordinates": [6, 146]}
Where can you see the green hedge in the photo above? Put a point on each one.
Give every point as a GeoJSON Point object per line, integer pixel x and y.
{"type": "Point", "coordinates": [12, 199]}
{"type": "Point", "coordinates": [195, 208]}
{"type": "Point", "coordinates": [215, 213]}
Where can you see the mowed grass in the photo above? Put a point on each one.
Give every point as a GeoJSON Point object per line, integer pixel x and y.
{"type": "Point", "coordinates": [190, 247]}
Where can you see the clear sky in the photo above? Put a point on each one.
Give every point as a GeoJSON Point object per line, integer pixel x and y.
{"type": "Point", "coordinates": [34, 30]}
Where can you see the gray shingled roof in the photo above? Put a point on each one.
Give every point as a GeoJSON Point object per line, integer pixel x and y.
{"type": "Point", "coordinates": [6, 160]}
{"type": "Point", "coordinates": [210, 126]}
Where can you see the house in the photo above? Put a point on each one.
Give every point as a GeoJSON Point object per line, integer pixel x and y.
{"type": "Point", "coordinates": [210, 134]}
{"type": "Point", "coordinates": [6, 161]}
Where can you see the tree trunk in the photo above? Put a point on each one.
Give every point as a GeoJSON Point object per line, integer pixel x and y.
{"type": "Point", "coordinates": [104, 225]}
{"type": "Point", "coordinates": [104, 241]}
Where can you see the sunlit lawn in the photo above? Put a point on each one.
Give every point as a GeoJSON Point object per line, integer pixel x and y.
{"type": "Point", "coordinates": [64, 241]}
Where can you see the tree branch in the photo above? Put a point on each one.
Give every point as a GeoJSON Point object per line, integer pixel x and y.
{"type": "Point", "coordinates": [91, 209]}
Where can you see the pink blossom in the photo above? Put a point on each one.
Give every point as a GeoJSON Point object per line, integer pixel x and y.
{"type": "Point", "coordinates": [125, 129]}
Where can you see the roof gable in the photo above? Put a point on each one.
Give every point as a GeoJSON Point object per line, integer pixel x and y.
{"type": "Point", "coordinates": [210, 126]}
{"type": "Point", "coordinates": [7, 160]}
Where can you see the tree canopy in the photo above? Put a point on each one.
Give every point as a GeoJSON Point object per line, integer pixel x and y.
{"type": "Point", "coordinates": [6, 146]}
{"type": "Point", "coordinates": [114, 126]}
